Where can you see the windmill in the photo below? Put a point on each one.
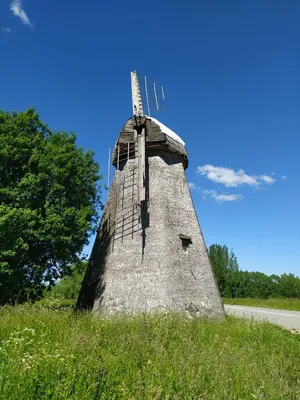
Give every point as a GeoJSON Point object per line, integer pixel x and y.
{"type": "Point", "coordinates": [149, 253]}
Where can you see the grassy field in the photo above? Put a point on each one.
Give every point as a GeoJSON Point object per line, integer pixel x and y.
{"type": "Point", "coordinates": [282, 304]}
{"type": "Point", "coordinates": [56, 354]}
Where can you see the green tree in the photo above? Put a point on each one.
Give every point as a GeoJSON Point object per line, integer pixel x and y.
{"type": "Point", "coordinates": [225, 268]}
{"type": "Point", "coordinates": [289, 286]}
{"type": "Point", "coordinates": [69, 286]}
{"type": "Point", "coordinates": [219, 258]}
{"type": "Point", "coordinates": [49, 203]}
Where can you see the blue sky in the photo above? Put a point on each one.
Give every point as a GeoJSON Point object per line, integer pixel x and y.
{"type": "Point", "coordinates": [231, 76]}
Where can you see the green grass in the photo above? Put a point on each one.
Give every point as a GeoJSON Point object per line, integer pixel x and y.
{"type": "Point", "coordinates": [282, 304]}
{"type": "Point", "coordinates": [57, 354]}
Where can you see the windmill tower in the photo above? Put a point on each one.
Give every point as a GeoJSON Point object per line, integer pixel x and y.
{"type": "Point", "coordinates": [149, 253]}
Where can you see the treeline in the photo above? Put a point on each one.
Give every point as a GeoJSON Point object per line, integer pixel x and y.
{"type": "Point", "coordinates": [234, 283]}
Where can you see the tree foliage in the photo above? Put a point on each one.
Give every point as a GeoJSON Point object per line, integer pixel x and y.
{"type": "Point", "coordinates": [69, 286]}
{"type": "Point", "coordinates": [49, 202]}
{"type": "Point", "coordinates": [236, 283]}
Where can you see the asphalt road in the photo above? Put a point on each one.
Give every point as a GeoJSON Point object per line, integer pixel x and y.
{"type": "Point", "coordinates": [285, 318]}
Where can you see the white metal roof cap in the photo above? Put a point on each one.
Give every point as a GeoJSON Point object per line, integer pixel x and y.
{"type": "Point", "coordinates": [167, 130]}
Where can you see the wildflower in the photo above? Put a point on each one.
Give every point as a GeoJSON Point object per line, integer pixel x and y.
{"type": "Point", "coordinates": [29, 330]}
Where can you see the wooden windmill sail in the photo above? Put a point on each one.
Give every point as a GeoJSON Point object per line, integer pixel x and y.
{"type": "Point", "coordinates": [149, 253]}
{"type": "Point", "coordinates": [139, 134]}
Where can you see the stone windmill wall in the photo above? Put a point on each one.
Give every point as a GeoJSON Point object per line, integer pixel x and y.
{"type": "Point", "coordinates": [150, 256]}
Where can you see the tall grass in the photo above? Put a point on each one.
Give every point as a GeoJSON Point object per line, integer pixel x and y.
{"type": "Point", "coordinates": [57, 354]}
{"type": "Point", "coordinates": [283, 304]}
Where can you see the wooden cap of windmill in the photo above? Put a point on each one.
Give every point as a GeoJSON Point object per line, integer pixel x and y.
{"type": "Point", "coordinates": [157, 137]}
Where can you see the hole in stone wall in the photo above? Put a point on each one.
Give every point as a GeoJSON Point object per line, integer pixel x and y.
{"type": "Point", "coordinates": [185, 241]}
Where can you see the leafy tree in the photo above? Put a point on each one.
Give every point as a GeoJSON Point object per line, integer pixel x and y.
{"type": "Point", "coordinates": [49, 202]}
{"type": "Point", "coordinates": [69, 286]}
{"type": "Point", "coordinates": [289, 286]}
{"type": "Point", "coordinates": [224, 266]}
{"type": "Point", "coordinates": [219, 260]}
{"type": "Point", "coordinates": [233, 265]}
{"type": "Point", "coordinates": [275, 279]}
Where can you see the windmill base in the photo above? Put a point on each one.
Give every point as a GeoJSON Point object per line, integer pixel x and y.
{"type": "Point", "coordinates": [151, 257]}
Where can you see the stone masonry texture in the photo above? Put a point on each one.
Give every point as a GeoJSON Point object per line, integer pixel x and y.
{"type": "Point", "coordinates": [139, 262]}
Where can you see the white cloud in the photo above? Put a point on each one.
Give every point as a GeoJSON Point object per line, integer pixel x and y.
{"type": "Point", "coordinates": [193, 186]}
{"type": "Point", "coordinates": [212, 194]}
{"type": "Point", "coordinates": [283, 177]}
{"type": "Point", "coordinates": [16, 7]}
{"type": "Point", "coordinates": [231, 178]}
{"type": "Point", "coordinates": [267, 179]}
{"type": "Point", "coordinates": [220, 198]}
{"type": "Point", "coordinates": [6, 30]}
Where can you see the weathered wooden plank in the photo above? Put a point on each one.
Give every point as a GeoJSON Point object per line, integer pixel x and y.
{"type": "Point", "coordinates": [154, 136]}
